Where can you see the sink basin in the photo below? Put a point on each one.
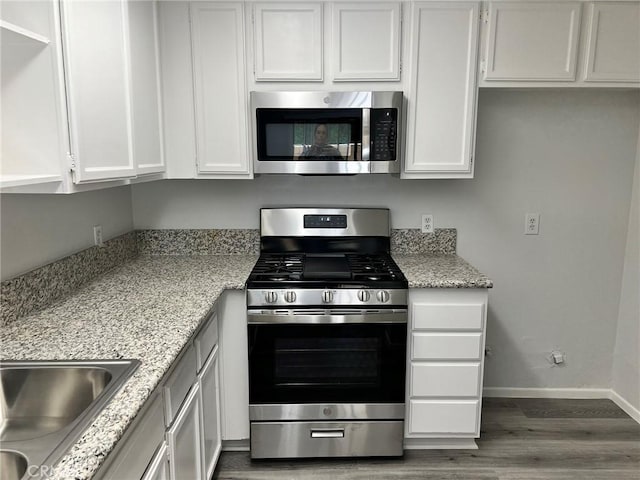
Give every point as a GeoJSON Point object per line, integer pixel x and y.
{"type": "Point", "coordinates": [12, 466]}
{"type": "Point", "coordinates": [45, 406]}
{"type": "Point", "coordinates": [38, 401]}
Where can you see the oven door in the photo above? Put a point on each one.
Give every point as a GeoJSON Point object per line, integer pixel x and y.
{"type": "Point", "coordinates": [309, 362]}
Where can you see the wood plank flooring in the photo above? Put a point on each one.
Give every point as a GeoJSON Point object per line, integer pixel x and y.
{"type": "Point", "coordinates": [521, 439]}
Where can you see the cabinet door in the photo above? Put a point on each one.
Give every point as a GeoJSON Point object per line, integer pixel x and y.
{"type": "Point", "coordinates": [185, 440]}
{"type": "Point", "coordinates": [288, 41]}
{"type": "Point", "coordinates": [442, 101]}
{"type": "Point", "coordinates": [159, 467]}
{"type": "Point", "coordinates": [377, 58]}
{"type": "Point", "coordinates": [97, 75]}
{"type": "Point", "coordinates": [613, 42]}
{"type": "Point", "coordinates": [219, 83]}
{"type": "Point", "coordinates": [145, 87]}
{"type": "Point", "coordinates": [211, 433]}
{"type": "Point", "coordinates": [532, 41]}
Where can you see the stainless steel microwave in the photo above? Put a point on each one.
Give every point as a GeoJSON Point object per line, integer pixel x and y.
{"type": "Point", "coordinates": [326, 133]}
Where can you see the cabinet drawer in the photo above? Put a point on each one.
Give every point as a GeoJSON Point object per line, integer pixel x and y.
{"type": "Point", "coordinates": [206, 340]}
{"type": "Point", "coordinates": [446, 346]}
{"type": "Point", "coordinates": [450, 316]}
{"type": "Point", "coordinates": [442, 417]}
{"type": "Point", "coordinates": [445, 380]}
{"type": "Point", "coordinates": [178, 384]}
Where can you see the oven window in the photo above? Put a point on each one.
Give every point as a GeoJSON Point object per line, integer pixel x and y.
{"type": "Point", "coordinates": [309, 134]}
{"type": "Point", "coordinates": [346, 363]}
{"type": "Point", "coordinates": [326, 362]}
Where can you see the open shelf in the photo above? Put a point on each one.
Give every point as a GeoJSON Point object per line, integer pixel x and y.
{"type": "Point", "coordinates": [13, 34]}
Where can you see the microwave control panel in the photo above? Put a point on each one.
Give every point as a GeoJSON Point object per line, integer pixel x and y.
{"type": "Point", "coordinates": [384, 134]}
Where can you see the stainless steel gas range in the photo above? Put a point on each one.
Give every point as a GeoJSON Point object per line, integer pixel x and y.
{"type": "Point", "coordinates": [327, 312]}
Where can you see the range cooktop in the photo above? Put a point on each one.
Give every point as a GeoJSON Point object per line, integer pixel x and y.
{"type": "Point", "coordinates": [348, 270]}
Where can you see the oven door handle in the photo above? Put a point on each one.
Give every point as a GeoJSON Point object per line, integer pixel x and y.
{"type": "Point", "coordinates": [311, 316]}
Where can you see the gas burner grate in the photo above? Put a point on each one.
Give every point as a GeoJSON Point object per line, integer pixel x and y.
{"type": "Point", "coordinates": [373, 267]}
{"type": "Point", "coordinates": [278, 267]}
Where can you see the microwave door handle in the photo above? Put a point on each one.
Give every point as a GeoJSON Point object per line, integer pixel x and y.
{"type": "Point", "coordinates": [366, 134]}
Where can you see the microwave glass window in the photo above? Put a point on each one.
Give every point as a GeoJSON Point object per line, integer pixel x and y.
{"type": "Point", "coordinates": [309, 134]}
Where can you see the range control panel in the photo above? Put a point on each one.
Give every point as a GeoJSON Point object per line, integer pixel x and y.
{"type": "Point", "coordinates": [325, 221]}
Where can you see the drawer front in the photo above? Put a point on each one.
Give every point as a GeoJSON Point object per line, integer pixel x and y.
{"type": "Point", "coordinates": [443, 417]}
{"type": "Point", "coordinates": [446, 346]}
{"type": "Point", "coordinates": [451, 316]}
{"type": "Point", "coordinates": [178, 384]}
{"type": "Point", "coordinates": [445, 380]}
{"type": "Point", "coordinates": [137, 451]}
{"type": "Point", "coordinates": [206, 340]}
{"type": "Point", "coordinates": [326, 439]}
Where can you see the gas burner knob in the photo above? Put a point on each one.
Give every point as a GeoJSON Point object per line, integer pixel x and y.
{"type": "Point", "coordinates": [270, 296]}
{"type": "Point", "coordinates": [364, 295]}
{"type": "Point", "coordinates": [383, 296]}
{"type": "Point", "coordinates": [290, 296]}
{"type": "Point", "coordinates": [327, 296]}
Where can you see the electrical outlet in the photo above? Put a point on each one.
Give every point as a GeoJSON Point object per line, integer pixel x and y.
{"type": "Point", "coordinates": [97, 235]}
{"type": "Point", "coordinates": [427, 223]}
{"type": "Point", "coordinates": [531, 223]}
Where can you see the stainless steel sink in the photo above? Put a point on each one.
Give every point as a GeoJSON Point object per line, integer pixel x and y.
{"type": "Point", "coordinates": [45, 406]}
{"type": "Point", "coordinates": [13, 466]}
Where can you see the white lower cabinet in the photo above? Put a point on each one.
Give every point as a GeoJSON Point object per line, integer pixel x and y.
{"type": "Point", "coordinates": [158, 469]}
{"type": "Point", "coordinates": [178, 433]}
{"type": "Point", "coordinates": [139, 448]}
{"type": "Point", "coordinates": [208, 379]}
{"type": "Point", "coordinates": [445, 366]}
{"type": "Point", "coordinates": [184, 438]}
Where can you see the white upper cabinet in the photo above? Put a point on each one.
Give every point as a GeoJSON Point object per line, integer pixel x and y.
{"type": "Point", "coordinates": [95, 39]}
{"type": "Point", "coordinates": [288, 41]}
{"type": "Point", "coordinates": [33, 140]}
{"type": "Point", "coordinates": [532, 41]}
{"type": "Point", "coordinates": [145, 87]}
{"type": "Point", "coordinates": [443, 94]}
{"type": "Point", "coordinates": [366, 41]}
{"type": "Point", "coordinates": [217, 37]}
{"type": "Point", "coordinates": [613, 42]}
{"type": "Point", "coordinates": [80, 91]}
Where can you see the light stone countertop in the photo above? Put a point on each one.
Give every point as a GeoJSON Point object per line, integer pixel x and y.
{"type": "Point", "coordinates": [440, 271]}
{"type": "Point", "coordinates": [148, 309]}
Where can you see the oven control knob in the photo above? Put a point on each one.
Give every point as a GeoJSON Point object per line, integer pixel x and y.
{"type": "Point", "coordinates": [290, 296]}
{"type": "Point", "coordinates": [383, 296]}
{"type": "Point", "coordinates": [270, 296]}
{"type": "Point", "coordinates": [364, 295]}
{"type": "Point", "coordinates": [327, 296]}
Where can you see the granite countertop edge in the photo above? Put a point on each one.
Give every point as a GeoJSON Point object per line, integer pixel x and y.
{"type": "Point", "coordinates": [148, 309]}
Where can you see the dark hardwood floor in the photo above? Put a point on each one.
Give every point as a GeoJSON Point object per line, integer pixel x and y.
{"type": "Point", "coordinates": [521, 439]}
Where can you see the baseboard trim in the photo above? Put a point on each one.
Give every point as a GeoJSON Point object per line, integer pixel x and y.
{"type": "Point", "coordinates": [546, 392]}
{"type": "Point", "coordinates": [440, 444]}
{"type": "Point", "coordinates": [577, 393]}
{"type": "Point", "coordinates": [236, 445]}
{"type": "Point", "coordinates": [629, 409]}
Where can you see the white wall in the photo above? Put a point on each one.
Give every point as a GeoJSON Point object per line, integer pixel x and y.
{"type": "Point", "coordinates": [626, 363]}
{"type": "Point", "coordinates": [568, 154]}
{"type": "Point", "coordinates": [38, 229]}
